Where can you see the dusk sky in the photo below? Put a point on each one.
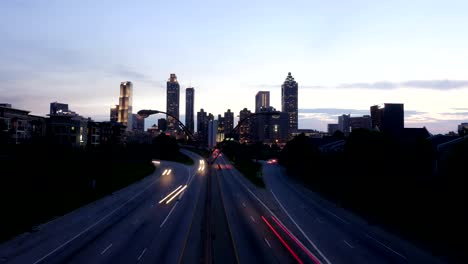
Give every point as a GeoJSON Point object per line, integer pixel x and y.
{"type": "Point", "coordinates": [345, 55]}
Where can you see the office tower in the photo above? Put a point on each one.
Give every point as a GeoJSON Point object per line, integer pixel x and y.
{"type": "Point", "coordinates": [189, 108]}
{"type": "Point", "coordinates": [344, 124]}
{"type": "Point", "coordinates": [125, 105]}
{"type": "Point", "coordinates": [114, 113]}
{"type": "Point", "coordinates": [271, 129]}
{"type": "Point", "coordinates": [162, 124]}
{"type": "Point", "coordinates": [202, 126]}
{"type": "Point", "coordinates": [228, 122]}
{"type": "Point", "coordinates": [212, 132]}
{"type": "Point", "coordinates": [172, 104]}
{"type": "Point", "coordinates": [289, 102]}
{"type": "Point", "coordinates": [138, 123]}
{"type": "Point", "coordinates": [58, 108]}
{"type": "Point", "coordinates": [262, 100]}
{"type": "Point", "coordinates": [246, 126]}
{"type": "Point", "coordinates": [363, 122]}
{"type": "Point", "coordinates": [221, 125]}
{"type": "Point", "coordinates": [389, 119]}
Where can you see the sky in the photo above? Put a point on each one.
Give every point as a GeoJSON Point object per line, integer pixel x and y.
{"type": "Point", "coordinates": [345, 55]}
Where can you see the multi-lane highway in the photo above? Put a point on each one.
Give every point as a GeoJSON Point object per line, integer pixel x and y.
{"type": "Point", "coordinates": [147, 222]}
{"type": "Point", "coordinates": [210, 214]}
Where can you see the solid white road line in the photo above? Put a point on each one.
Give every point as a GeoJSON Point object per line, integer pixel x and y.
{"type": "Point", "coordinates": [93, 225]}
{"type": "Point", "coordinates": [170, 212]}
{"type": "Point", "coordinates": [300, 229]}
{"type": "Point", "coordinates": [349, 245]}
{"type": "Point", "coordinates": [104, 251]}
{"type": "Point", "coordinates": [268, 243]}
{"type": "Point", "coordinates": [142, 253]}
{"type": "Point", "coordinates": [268, 209]}
{"type": "Point", "coordinates": [387, 247]}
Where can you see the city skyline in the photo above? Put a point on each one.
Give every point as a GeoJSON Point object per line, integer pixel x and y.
{"type": "Point", "coordinates": [345, 57]}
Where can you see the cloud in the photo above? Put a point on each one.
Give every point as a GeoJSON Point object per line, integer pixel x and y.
{"type": "Point", "coordinates": [334, 111]}
{"type": "Point", "coordinates": [442, 85]}
{"type": "Point", "coordinates": [417, 84]}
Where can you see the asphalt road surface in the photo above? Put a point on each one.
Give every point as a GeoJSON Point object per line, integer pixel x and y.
{"type": "Point", "coordinates": [142, 223]}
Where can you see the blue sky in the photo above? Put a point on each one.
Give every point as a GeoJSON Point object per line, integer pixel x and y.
{"type": "Point", "coordinates": [346, 55]}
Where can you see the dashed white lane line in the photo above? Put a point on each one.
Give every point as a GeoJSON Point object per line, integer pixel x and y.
{"type": "Point", "coordinates": [266, 241]}
{"type": "Point", "coordinates": [141, 255]}
{"type": "Point", "coordinates": [107, 248]}
{"type": "Point", "coordinates": [243, 204]}
{"type": "Point", "coordinates": [319, 220]}
{"type": "Point", "coordinates": [349, 245]}
{"type": "Point", "coordinates": [167, 217]}
{"type": "Point", "coordinates": [253, 219]}
{"type": "Point", "coordinates": [93, 225]}
{"type": "Point", "coordinates": [300, 229]}
{"type": "Point", "coordinates": [387, 247]}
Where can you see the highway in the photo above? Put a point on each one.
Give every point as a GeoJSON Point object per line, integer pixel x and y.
{"type": "Point", "coordinates": [330, 234]}
{"type": "Point", "coordinates": [147, 222]}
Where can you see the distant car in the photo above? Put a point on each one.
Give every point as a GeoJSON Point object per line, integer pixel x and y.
{"type": "Point", "coordinates": [272, 161]}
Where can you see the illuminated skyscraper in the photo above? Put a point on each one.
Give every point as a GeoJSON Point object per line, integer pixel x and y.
{"type": "Point", "coordinates": [172, 102]}
{"type": "Point", "coordinates": [125, 105]}
{"type": "Point", "coordinates": [189, 108]}
{"type": "Point", "coordinates": [289, 101]}
{"type": "Point", "coordinates": [262, 100]}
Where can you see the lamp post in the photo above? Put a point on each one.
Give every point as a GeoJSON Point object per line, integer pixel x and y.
{"type": "Point", "coordinates": [147, 112]}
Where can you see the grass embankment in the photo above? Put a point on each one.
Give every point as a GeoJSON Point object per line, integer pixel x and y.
{"type": "Point", "coordinates": [251, 170]}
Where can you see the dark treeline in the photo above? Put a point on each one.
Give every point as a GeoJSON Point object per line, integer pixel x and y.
{"type": "Point", "coordinates": [245, 158]}
{"type": "Point", "coordinates": [391, 184]}
{"type": "Point", "coordinates": [40, 181]}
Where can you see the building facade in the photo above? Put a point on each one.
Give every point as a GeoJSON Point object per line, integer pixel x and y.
{"type": "Point", "coordinates": [289, 102]}
{"type": "Point", "coordinates": [114, 113]}
{"type": "Point", "coordinates": [246, 126]}
{"type": "Point", "coordinates": [344, 124]}
{"type": "Point", "coordinates": [389, 119]}
{"type": "Point", "coordinates": [138, 123]}
{"type": "Point", "coordinates": [57, 108]}
{"type": "Point", "coordinates": [332, 128]}
{"type": "Point", "coordinates": [202, 126]}
{"type": "Point", "coordinates": [189, 109]}
{"type": "Point", "coordinates": [363, 122]}
{"type": "Point", "coordinates": [172, 102]}
{"type": "Point", "coordinates": [271, 129]}
{"type": "Point", "coordinates": [262, 100]}
{"type": "Point", "coordinates": [228, 122]}
{"type": "Point", "coordinates": [162, 124]}
{"type": "Point", "coordinates": [125, 105]}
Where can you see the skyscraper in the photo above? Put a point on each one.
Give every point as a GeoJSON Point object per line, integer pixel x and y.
{"type": "Point", "coordinates": [189, 108]}
{"type": "Point", "coordinates": [262, 100]}
{"type": "Point", "coordinates": [289, 102]}
{"type": "Point", "coordinates": [246, 126]}
{"type": "Point", "coordinates": [228, 122]}
{"type": "Point", "coordinates": [125, 105]}
{"type": "Point", "coordinates": [344, 123]}
{"type": "Point", "coordinates": [114, 113]}
{"type": "Point", "coordinates": [172, 104]}
{"type": "Point", "coordinates": [202, 126]}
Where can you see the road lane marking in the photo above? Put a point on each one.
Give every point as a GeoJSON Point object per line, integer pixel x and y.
{"type": "Point", "coordinates": [387, 247]}
{"type": "Point", "coordinates": [243, 204]}
{"type": "Point", "coordinates": [167, 217]}
{"type": "Point", "coordinates": [349, 245]}
{"type": "Point", "coordinates": [268, 243]}
{"type": "Point", "coordinates": [298, 227]}
{"type": "Point", "coordinates": [95, 224]}
{"type": "Point", "coordinates": [268, 209]}
{"type": "Point", "coordinates": [319, 220]}
{"type": "Point", "coordinates": [107, 248]}
{"type": "Point", "coordinates": [141, 255]}
{"type": "Point", "coordinates": [296, 257]}
{"type": "Point", "coordinates": [253, 220]}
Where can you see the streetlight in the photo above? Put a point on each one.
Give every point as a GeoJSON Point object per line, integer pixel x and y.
{"type": "Point", "coordinates": [147, 112]}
